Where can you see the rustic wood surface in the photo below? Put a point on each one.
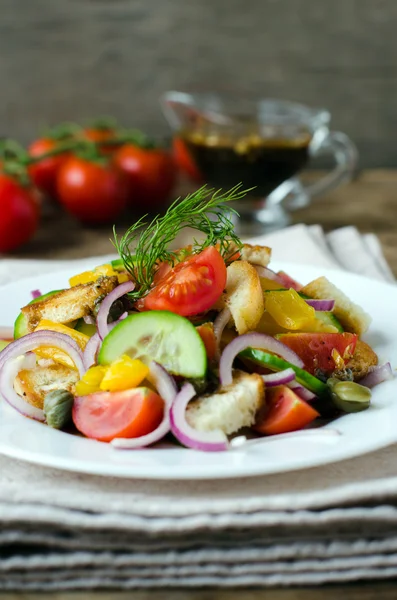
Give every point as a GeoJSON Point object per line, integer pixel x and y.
{"type": "Point", "coordinates": [367, 591]}
{"type": "Point", "coordinates": [370, 203]}
{"type": "Point", "coordinates": [74, 60]}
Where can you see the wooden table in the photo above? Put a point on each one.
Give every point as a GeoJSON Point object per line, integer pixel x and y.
{"type": "Point", "coordinates": [370, 203]}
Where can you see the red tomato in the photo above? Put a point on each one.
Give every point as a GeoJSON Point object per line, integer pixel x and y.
{"type": "Point", "coordinates": [315, 349]}
{"type": "Point", "coordinates": [127, 414]}
{"type": "Point", "coordinates": [44, 174]}
{"type": "Point", "coordinates": [151, 174]}
{"type": "Point", "coordinates": [191, 287]}
{"type": "Point", "coordinates": [91, 191]}
{"type": "Point", "coordinates": [184, 160]}
{"type": "Point", "coordinates": [19, 214]}
{"type": "Point", "coordinates": [206, 332]}
{"type": "Point", "coordinates": [286, 412]}
{"type": "Point", "coordinates": [97, 134]}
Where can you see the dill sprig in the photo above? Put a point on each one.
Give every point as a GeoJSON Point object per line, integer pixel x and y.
{"type": "Point", "coordinates": [146, 244]}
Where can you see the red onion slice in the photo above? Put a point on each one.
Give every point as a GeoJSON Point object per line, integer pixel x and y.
{"type": "Point", "coordinates": [31, 341]}
{"type": "Point", "coordinates": [8, 374]}
{"type": "Point", "coordinates": [321, 305]}
{"type": "Point", "coordinates": [266, 273]}
{"type": "Point", "coordinates": [280, 378]}
{"type": "Point", "coordinates": [219, 325]}
{"type": "Point", "coordinates": [378, 375]}
{"type": "Point", "coordinates": [6, 333]}
{"type": "Point", "coordinates": [260, 341]}
{"type": "Point", "coordinates": [35, 294]}
{"type": "Point", "coordinates": [206, 441]}
{"type": "Point", "coordinates": [103, 313]}
{"type": "Point", "coordinates": [301, 391]}
{"type": "Point", "coordinates": [91, 351]}
{"type": "Point", "coordinates": [145, 440]}
{"type": "Point", "coordinates": [164, 382]}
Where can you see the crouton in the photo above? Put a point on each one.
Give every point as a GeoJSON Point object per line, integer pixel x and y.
{"type": "Point", "coordinates": [352, 317]}
{"type": "Point", "coordinates": [364, 358]}
{"type": "Point", "coordinates": [69, 305]}
{"type": "Point", "coordinates": [256, 255]}
{"type": "Point", "coordinates": [244, 296]}
{"type": "Point", "coordinates": [34, 384]}
{"type": "Point", "coordinates": [231, 408]}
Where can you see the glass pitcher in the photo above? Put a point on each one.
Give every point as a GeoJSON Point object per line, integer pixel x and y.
{"type": "Point", "coordinates": [263, 144]}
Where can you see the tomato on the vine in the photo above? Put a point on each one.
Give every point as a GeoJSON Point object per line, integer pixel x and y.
{"type": "Point", "coordinates": [185, 160]}
{"type": "Point", "coordinates": [19, 213]}
{"type": "Point", "coordinates": [44, 173]}
{"type": "Point", "coordinates": [151, 173]}
{"type": "Point", "coordinates": [94, 191]}
{"type": "Point", "coordinates": [101, 134]}
{"type": "Point", "coordinates": [189, 288]}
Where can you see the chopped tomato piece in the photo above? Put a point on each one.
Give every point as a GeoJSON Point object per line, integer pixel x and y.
{"type": "Point", "coordinates": [206, 332]}
{"type": "Point", "coordinates": [286, 412]}
{"type": "Point", "coordinates": [289, 282]}
{"type": "Point", "coordinates": [317, 350]}
{"type": "Point", "coordinates": [127, 414]}
{"type": "Point", "coordinates": [191, 287]}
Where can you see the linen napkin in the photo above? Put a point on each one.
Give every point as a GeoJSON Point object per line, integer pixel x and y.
{"type": "Point", "coordinates": [61, 530]}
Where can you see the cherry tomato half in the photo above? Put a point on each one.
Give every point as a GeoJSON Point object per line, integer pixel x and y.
{"type": "Point", "coordinates": [94, 192]}
{"type": "Point", "coordinates": [19, 214]}
{"type": "Point", "coordinates": [44, 173]}
{"type": "Point", "coordinates": [151, 174]}
{"type": "Point", "coordinates": [191, 287]}
{"type": "Point", "coordinates": [286, 412]}
{"type": "Point", "coordinates": [127, 414]}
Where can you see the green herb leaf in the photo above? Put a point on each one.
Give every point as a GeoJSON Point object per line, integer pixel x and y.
{"type": "Point", "coordinates": [145, 245]}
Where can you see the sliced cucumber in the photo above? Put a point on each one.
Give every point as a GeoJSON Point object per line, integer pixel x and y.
{"type": "Point", "coordinates": [157, 335]}
{"type": "Point", "coordinates": [21, 324]}
{"type": "Point", "coordinates": [85, 328]}
{"type": "Point", "coordinates": [279, 364]}
{"type": "Point", "coordinates": [329, 319]}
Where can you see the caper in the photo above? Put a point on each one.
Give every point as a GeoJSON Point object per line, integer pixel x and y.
{"type": "Point", "coordinates": [58, 406]}
{"type": "Point", "coordinates": [349, 396]}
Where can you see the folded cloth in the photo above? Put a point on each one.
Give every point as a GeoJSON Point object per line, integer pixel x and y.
{"type": "Point", "coordinates": [61, 530]}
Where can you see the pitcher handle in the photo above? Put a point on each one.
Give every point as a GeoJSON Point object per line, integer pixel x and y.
{"type": "Point", "coordinates": [294, 195]}
{"type": "Point", "coordinates": [346, 159]}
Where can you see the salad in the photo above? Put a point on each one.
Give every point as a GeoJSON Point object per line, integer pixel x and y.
{"type": "Point", "coordinates": [205, 342]}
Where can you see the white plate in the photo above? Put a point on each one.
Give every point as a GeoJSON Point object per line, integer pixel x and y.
{"type": "Point", "coordinates": [363, 432]}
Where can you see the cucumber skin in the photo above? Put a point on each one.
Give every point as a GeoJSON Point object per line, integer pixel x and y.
{"type": "Point", "coordinates": [303, 377]}
{"type": "Point", "coordinates": [103, 356]}
{"type": "Point", "coordinates": [330, 319]}
{"type": "Point", "coordinates": [20, 327]}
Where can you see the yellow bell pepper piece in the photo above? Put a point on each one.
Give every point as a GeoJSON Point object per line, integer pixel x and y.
{"type": "Point", "coordinates": [123, 374]}
{"type": "Point", "coordinates": [53, 353]}
{"type": "Point", "coordinates": [289, 310]}
{"type": "Point", "coordinates": [270, 284]}
{"type": "Point", "coordinates": [90, 382]}
{"type": "Point", "coordinates": [268, 325]}
{"type": "Point", "coordinates": [101, 271]}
